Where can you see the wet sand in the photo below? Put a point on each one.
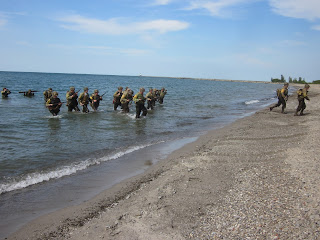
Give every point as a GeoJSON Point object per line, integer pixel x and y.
{"type": "Point", "coordinates": [257, 178]}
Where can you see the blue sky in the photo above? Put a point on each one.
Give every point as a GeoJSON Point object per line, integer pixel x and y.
{"type": "Point", "coordinates": [225, 39]}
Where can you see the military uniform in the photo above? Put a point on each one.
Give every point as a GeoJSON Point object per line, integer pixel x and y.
{"type": "Point", "coordinates": [163, 92]}
{"type": "Point", "coordinates": [117, 98]}
{"type": "Point", "coordinates": [282, 98]}
{"type": "Point", "coordinates": [29, 93]}
{"type": "Point", "coordinates": [95, 100]}
{"type": "Point", "coordinates": [5, 92]}
{"type": "Point", "coordinates": [139, 100]}
{"type": "Point", "coordinates": [125, 100]}
{"type": "Point", "coordinates": [54, 104]}
{"type": "Point", "coordinates": [72, 101]}
{"type": "Point", "coordinates": [84, 99]}
{"type": "Point", "coordinates": [302, 95]}
{"type": "Point", "coordinates": [47, 94]}
{"type": "Point", "coordinates": [150, 99]}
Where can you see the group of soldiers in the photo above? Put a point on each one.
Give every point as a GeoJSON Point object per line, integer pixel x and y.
{"type": "Point", "coordinates": [120, 98]}
{"type": "Point", "coordinates": [283, 97]}
{"type": "Point", "coordinates": [124, 98]}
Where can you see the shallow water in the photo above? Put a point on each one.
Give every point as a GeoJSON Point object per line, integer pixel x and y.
{"type": "Point", "coordinates": [41, 150]}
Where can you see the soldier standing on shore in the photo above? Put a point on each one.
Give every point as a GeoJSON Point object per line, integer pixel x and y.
{"type": "Point", "coordinates": [47, 94]}
{"type": "Point", "coordinates": [54, 104]}
{"type": "Point", "coordinates": [117, 97]}
{"type": "Point", "coordinates": [139, 99]}
{"type": "Point", "coordinates": [84, 99]}
{"type": "Point", "coordinates": [5, 92]}
{"type": "Point", "coordinates": [302, 95]}
{"type": "Point", "coordinates": [282, 97]}
{"type": "Point", "coordinates": [95, 100]}
{"type": "Point", "coordinates": [72, 101]}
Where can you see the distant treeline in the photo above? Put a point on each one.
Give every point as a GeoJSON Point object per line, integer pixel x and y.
{"type": "Point", "coordinates": [290, 80]}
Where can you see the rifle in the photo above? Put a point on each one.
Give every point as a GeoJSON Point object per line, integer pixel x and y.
{"type": "Point", "coordinates": [55, 105]}
{"type": "Point", "coordinates": [27, 91]}
{"type": "Point", "coordinates": [103, 94]}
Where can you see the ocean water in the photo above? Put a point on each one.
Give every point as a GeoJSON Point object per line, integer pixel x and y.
{"type": "Point", "coordinates": [50, 159]}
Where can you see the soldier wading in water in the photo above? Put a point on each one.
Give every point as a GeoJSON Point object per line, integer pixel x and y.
{"type": "Point", "coordinates": [72, 101]}
{"type": "Point", "coordinates": [95, 100]}
{"type": "Point", "coordinates": [54, 104]}
{"type": "Point", "coordinates": [84, 99]}
{"type": "Point", "coordinates": [139, 99]}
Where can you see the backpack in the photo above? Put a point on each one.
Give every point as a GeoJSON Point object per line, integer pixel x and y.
{"type": "Point", "coordinates": [299, 92]}
{"type": "Point", "coordinates": [278, 92]}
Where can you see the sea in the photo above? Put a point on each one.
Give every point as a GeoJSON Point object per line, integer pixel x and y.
{"type": "Point", "coordinates": [48, 163]}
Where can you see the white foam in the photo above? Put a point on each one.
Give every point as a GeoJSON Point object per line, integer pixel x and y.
{"type": "Point", "coordinates": [251, 102]}
{"type": "Point", "coordinates": [35, 178]}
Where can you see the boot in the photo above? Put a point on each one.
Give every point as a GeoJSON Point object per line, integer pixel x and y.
{"type": "Point", "coordinates": [301, 113]}
{"type": "Point", "coordinates": [296, 113]}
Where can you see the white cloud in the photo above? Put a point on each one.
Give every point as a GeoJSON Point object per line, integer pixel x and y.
{"type": "Point", "coordinates": [316, 27]}
{"type": "Point", "coordinates": [116, 27]}
{"type": "Point", "coordinates": [305, 9]}
{"type": "Point", "coordinates": [162, 2]}
{"type": "Point", "coordinates": [217, 7]}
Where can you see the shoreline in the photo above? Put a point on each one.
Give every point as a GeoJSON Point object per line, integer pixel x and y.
{"type": "Point", "coordinates": [231, 182]}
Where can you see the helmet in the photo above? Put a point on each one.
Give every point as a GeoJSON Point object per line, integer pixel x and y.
{"type": "Point", "coordinates": [85, 89]}
{"type": "Point", "coordinates": [96, 91]}
{"type": "Point", "coordinates": [72, 88]}
{"type": "Point", "coordinates": [54, 93]}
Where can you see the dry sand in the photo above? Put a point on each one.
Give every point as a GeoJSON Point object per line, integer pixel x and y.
{"type": "Point", "coordinates": [257, 178]}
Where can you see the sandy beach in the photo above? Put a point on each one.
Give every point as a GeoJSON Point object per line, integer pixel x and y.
{"type": "Point", "coordinates": [257, 178]}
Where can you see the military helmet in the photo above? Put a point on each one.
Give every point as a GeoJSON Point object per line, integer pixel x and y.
{"type": "Point", "coordinates": [96, 91]}
{"type": "Point", "coordinates": [54, 93]}
{"type": "Point", "coordinates": [85, 89]}
{"type": "Point", "coordinates": [120, 88]}
{"type": "Point", "coordinates": [72, 88]}
{"type": "Point", "coordinates": [307, 85]}
{"type": "Point", "coordinates": [50, 89]}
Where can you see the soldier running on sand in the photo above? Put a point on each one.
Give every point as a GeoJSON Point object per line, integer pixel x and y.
{"type": "Point", "coordinates": [282, 97]}
{"type": "Point", "coordinates": [302, 95]}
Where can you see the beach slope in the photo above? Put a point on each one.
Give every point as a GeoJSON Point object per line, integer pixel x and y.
{"type": "Point", "coordinates": [257, 178]}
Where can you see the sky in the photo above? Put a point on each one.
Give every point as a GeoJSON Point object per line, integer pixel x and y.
{"type": "Point", "coordinates": [219, 39]}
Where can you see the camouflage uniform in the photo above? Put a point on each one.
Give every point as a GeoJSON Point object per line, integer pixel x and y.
{"type": "Point", "coordinates": [150, 99]}
{"type": "Point", "coordinates": [163, 92]}
{"type": "Point", "coordinates": [125, 100]}
{"type": "Point", "coordinates": [72, 101]}
{"type": "Point", "coordinates": [84, 99]}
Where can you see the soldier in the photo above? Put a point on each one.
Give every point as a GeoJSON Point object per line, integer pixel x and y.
{"type": "Point", "coordinates": [150, 99]}
{"type": "Point", "coordinates": [125, 100]}
{"type": "Point", "coordinates": [302, 94]}
{"type": "Point", "coordinates": [282, 97]}
{"type": "Point", "coordinates": [72, 101]}
{"type": "Point", "coordinates": [84, 99]}
{"type": "Point", "coordinates": [29, 93]}
{"type": "Point", "coordinates": [5, 92]}
{"type": "Point", "coordinates": [117, 97]}
{"type": "Point", "coordinates": [95, 100]}
{"type": "Point", "coordinates": [163, 92]}
{"type": "Point", "coordinates": [54, 104]}
{"type": "Point", "coordinates": [139, 99]}
{"type": "Point", "coordinates": [47, 94]}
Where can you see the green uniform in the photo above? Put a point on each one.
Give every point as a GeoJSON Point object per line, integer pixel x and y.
{"type": "Point", "coordinates": [150, 100]}
{"type": "Point", "coordinates": [139, 99]}
{"type": "Point", "coordinates": [55, 109]}
{"type": "Point", "coordinates": [302, 95]}
{"type": "Point", "coordinates": [125, 100]}
{"type": "Point", "coordinates": [84, 99]}
{"type": "Point", "coordinates": [28, 93]}
{"type": "Point", "coordinates": [163, 92]}
{"type": "Point", "coordinates": [47, 94]}
{"type": "Point", "coordinates": [5, 93]}
{"type": "Point", "coordinates": [282, 99]}
{"type": "Point", "coordinates": [72, 101]}
{"type": "Point", "coordinates": [116, 99]}
{"type": "Point", "coordinates": [95, 101]}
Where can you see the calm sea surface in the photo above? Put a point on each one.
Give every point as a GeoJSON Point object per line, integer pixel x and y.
{"type": "Point", "coordinates": [41, 153]}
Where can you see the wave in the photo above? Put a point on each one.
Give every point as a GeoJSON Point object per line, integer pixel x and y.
{"type": "Point", "coordinates": [39, 177]}
{"type": "Point", "coordinates": [251, 102]}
